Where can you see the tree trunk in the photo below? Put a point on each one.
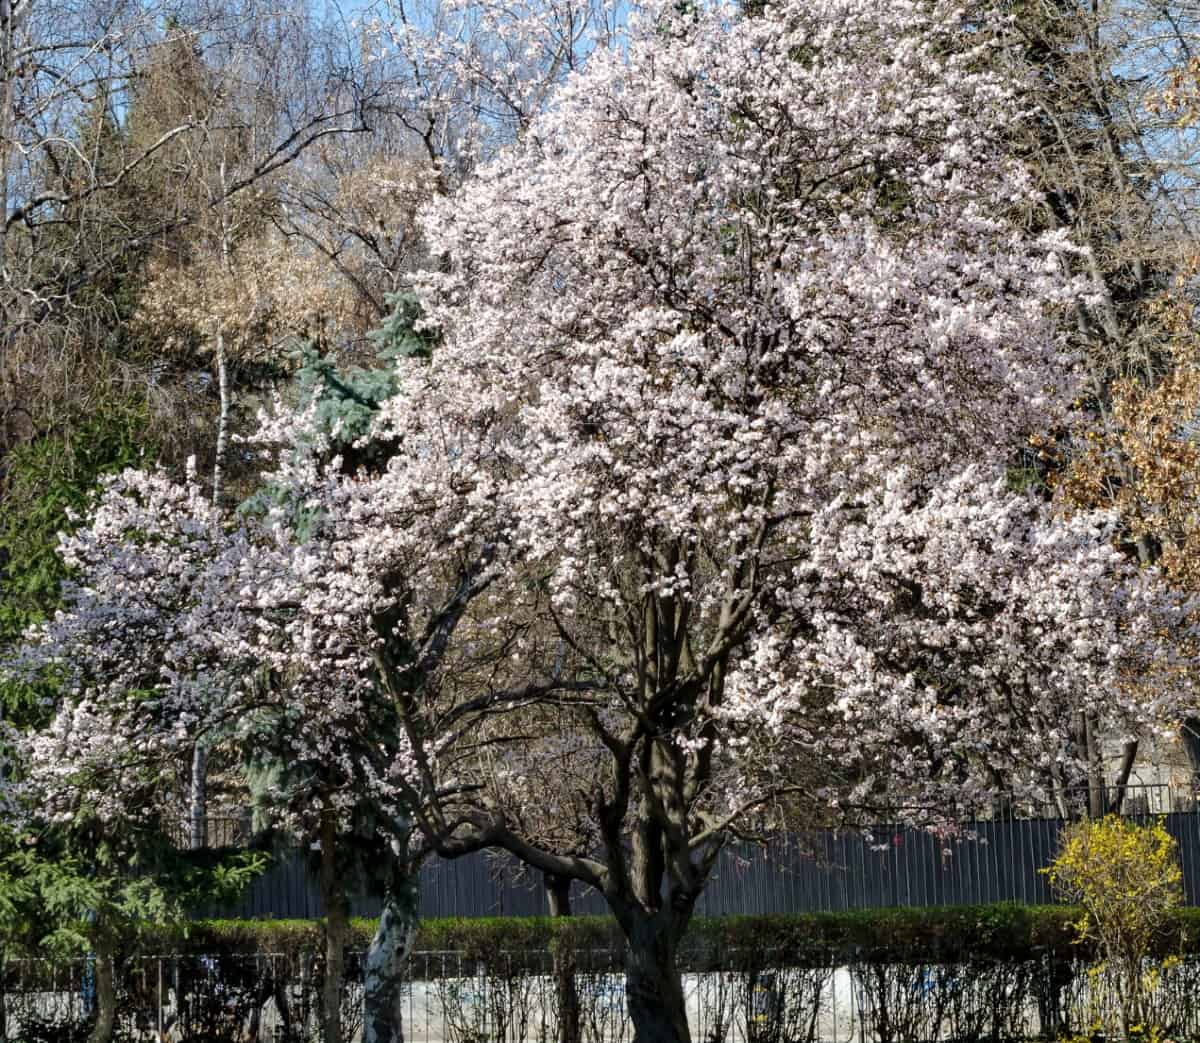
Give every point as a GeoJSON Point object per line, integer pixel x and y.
{"type": "Point", "coordinates": [222, 368]}
{"type": "Point", "coordinates": [1095, 776]}
{"type": "Point", "coordinates": [653, 989]}
{"type": "Point", "coordinates": [337, 931]}
{"type": "Point", "coordinates": [1120, 786]}
{"type": "Point", "coordinates": [222, 419]}
{"type": "Point", "coordinates": [383, 978]}
{"type": "Point", "coordinates": [383, 974]}
{"type": "Point", "coordinates": [6, 106]}
{"type": "Point", "coordinates": [106, 998]}
{"type": "Point", "coordinates": [558, 895]}
{"type": "Point", "coordinates": [198, 812]}
{"type": "Point", "coordinates": [1189, 735]}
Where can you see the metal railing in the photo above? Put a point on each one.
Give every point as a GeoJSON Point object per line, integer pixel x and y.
{"type": "Point", "coordinates": [514, 997]}
{"type": "Point", "coordinates": [215, 831]}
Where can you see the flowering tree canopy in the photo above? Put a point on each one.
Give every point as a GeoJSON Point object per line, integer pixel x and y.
{"type": "Point", "coordinates": [697, 515]}
{"type": "Point", "coordinates": [739, 343]}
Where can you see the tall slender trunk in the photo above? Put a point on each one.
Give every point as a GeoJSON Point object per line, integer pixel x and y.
{"type": "Point", "coordinates": [6, 103]}
{"type": "Point", "coordinates": [222, 366]}
{"type": "Point", "coordinates": [558, 895]}
{"type": "Point", "coordinates": [106, 996]}
{"type": "Point", "coordinates": [222, 418]}
{"type": "Point", "coordinates": [653, 988]}
{"type": "Point", "coordinates": [1095, 771]}
{"type": "Point", "coordinates": [337, 930]}
{"type": "Point", "coordinates": [198, 809]}
{"type": "Point", "coordinates": [15, 11]}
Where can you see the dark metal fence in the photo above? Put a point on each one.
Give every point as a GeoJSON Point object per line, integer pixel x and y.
{"type": "Point", "coordinates": [512, 997]}
{"type": "Point", "coordinates": [215, 830]}
{"type": "Point", "coordinates": [990, 859]}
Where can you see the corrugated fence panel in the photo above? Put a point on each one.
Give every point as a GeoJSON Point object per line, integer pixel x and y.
{"type": "Point", "coordinates": [1185, 828]}
{"type": "Point", "coordinates": [821, 871]}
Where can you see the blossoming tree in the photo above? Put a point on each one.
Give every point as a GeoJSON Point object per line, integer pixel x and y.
{"type": "Point", "coordinates": [738, 343]}
{"type": "Point", "coordinates": [184, 627]}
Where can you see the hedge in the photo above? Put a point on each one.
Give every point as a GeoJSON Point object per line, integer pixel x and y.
{"type": "Point", "coordinates": [1000, 932]}
{"type": "Point", "coordinates": [1005, 932]}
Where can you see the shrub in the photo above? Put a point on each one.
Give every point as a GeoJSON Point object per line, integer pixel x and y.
{"type": "Point", "coordinates": [1127, 881]}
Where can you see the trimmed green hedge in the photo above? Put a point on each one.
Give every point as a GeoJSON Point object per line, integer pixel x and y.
{"type": "Point", "coordinates": [1000, 932]}
{"type": "Point", "coordinates": [473, 937]}
{"type": "Point", "coordinates": [1005, 932]}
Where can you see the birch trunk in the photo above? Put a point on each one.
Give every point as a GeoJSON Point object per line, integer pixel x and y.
{"type": "Point", "coordinates": [222, 419]}
{"type": "Point", "coordinates": [222, 368]}
{"type": "Point", "coordinates": [383, 972]}
{"type": "Point", "coordinates": [198, 811]}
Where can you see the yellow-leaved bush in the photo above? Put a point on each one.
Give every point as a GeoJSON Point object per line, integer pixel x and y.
{"type": "Point", "coordinates": [1127, 881]}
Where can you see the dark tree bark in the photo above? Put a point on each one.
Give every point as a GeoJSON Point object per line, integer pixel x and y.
{"type": "Point", "coordinates": [106, 997]}
{"type": "Point", "coordinates": [337, 931]}
{"type": "Point", "coordinates": [558, 896]}
{"type": "Point", "coordinates": [653, 989]}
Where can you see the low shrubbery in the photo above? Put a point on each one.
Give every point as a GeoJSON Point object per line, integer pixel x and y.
{"type": "Point", "coordinates": [999, 973]}
{"type": "Point", "coordinates": [1005, 931]}
{"type": "Point", "coordinates": [975, 973]}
